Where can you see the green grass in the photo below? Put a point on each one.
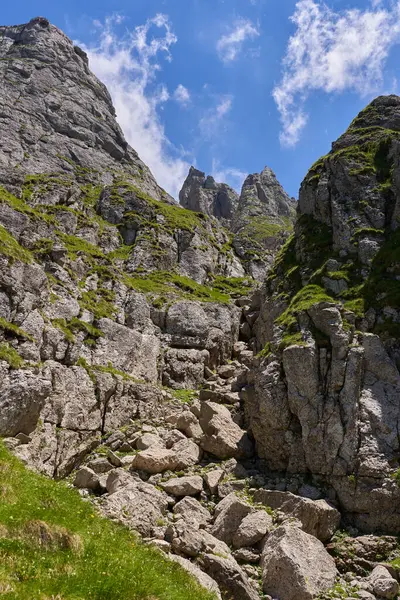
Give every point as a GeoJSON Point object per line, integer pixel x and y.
{"type": "Point", "coordinates": [53, 545]}
{"type": "Point", "coordinates": [77, 246]}
{"type": "Point", "coordinates": [11, 356]}
{"type": "Point", "coordinates": [11, 248]}
{"type": "Point", "coordinates": [14, 329]}
{"type": "Point", "coordinates": [303, 301]}
{"type": "Point", "coordinates": [175, 216]}
{"type": "Point", "coordinates": [184, 396]}
{"type": "Point", "coordinates": [99, 303]}
{"type": "Point", "coordinates": [169, 284]}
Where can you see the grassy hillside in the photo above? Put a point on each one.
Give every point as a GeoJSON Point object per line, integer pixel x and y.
{"type": "Point", "coordinates": [54, 547]}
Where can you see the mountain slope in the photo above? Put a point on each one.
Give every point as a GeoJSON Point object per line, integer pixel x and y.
{"type": "Point", "coordinates": [330, 327]}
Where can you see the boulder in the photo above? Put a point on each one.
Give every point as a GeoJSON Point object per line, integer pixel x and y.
{"type": "Point", "coordinates": [148, 440]}
{"type": "Point", "coordinates": [212, 479]}
{"type": "Point", "coordinates": [154, 460]}
{"type": "Point", "coordinates": [204, 580]}
{"type": "Point", "coordinates": [231, 579]}
{"type": "Point", "coordinates": [186, 454]}
{"type": "Point", "coordinates": [86, 478]}
{"type": "Point", "coordinates": [118, 478]}
{"type": "Point", "coordinates": [192, 541]}
{"type": "Point", "coordinates": [191, 511]}
{"type": "Point", "coordinates": [222, 437]}
{"type": "Point", "coordinates": [229, 514]}
{"type": "Point", "coordinates": [295, 565]}
{"type": "Point", "coordinates": [383, 584]}
{"type": "Point", "coordinates": [318, 518]}
{"type": "Point", "coordinates": [138, 505]}
{"type": "Point", "coordinates": [183, 486]}
{"type": "Point", "coordinates": [252, 529]}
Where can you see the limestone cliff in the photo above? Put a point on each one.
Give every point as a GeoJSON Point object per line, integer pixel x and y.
{"type": "Point", "coordinates": [325, 398]}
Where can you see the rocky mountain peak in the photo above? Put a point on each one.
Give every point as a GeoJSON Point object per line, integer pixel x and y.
{"type": "Point", "coordinates": [263, 195]}
{"type": "Point", "coordinates": [55, 115]}
{"type": "Point", "coordinates": [202, 194]}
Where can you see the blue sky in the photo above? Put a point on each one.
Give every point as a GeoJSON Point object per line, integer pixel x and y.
{"type": "Point", "coordinates": [232, 85]}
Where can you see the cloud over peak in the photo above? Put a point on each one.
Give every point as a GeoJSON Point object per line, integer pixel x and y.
{"type": "Point", "coordinates": [333, 52]}
{"type": "Point", "coordinates": [230, 45]}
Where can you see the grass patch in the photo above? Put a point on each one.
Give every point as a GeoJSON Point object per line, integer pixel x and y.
{"type": "Point", "coordinates": [11, 248]}
{"type": "Point", "coordinates": [77, 246]}
{"type": "Point", "coordinates": [14, 330]}
{"type": "Point", "coordinates": [302, 302]}
{"type": "Point", "coordinates": [184, 396]}
{"type": "Point", "coordinates": [167, 283]}
{"type": "Point", "coordinates": [11, 356]}
{"type": "Point", "coordinates": [99, 302]}
{"type": "Point", "coordinates": [55, 546]}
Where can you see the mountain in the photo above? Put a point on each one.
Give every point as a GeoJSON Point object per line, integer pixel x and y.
{"type": "Point", "coordinates": [260, 219]}
{"type": "Point", "coordinates": [221, 377]}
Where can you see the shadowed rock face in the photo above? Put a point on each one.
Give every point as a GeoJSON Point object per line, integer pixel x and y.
{"type": "Point", "coordinates": [203, 194]}
{"type": "Point", "coordinates": [55, 115]}
{"type": "Point", "coordinates": [325, 400]}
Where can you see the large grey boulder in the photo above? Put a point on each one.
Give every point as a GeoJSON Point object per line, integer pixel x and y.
{"type": "Point", "coordinates": [295, 565]}
{"type": "Point", "coordinates": [252, 529]}
{"type": "Point", "coordinates": [122, 505]}
{"type": "Point", "coordinates": [231, 578]}
{"type": "Point", "coordinates": [183, 486]}
{"type": "Point", "coordinates": [383, 584]}
{"type": "Point", "coordinates": [190, 510]}
{"type": "Point", "coordinates": [192, 541]}
{"type": "Point", "coordinates": [222, 437]}
{"type": "Point", "coordinates": [204, 580]}
{"type": "Point", "coordinates": [229, 514]}
{"type": "Point", "coordinates": [318, 517]}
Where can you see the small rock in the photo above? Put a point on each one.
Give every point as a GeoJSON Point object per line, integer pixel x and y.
{"type": "Point", "coordinates": [213, 478]}
{"type": "Point", "coordinates": [252, 529]}
{"type": "Point", "coordinates": [114, 459]}
{"type": "Point", "coordinates": [190, 510]}
{"type": "Point", "coordinates": [246, 555]}
{"type": "Point", "coordinates": [86, 478]}
{"type": "Point", "coordinates": [184, 486]}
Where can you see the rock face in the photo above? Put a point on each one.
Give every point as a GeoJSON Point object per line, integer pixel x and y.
{"type": "Point", "coordinates": [202, 194]}
{"type": "Point", "coordinates": [260, 218]}
{"type": "Point", "coordinates": [263, 196]}
{"type": "Point", "coordinates": [56, 116]}
{"type": "Point", "coordinates": [325, 399]}
{"type": "Point", "coordinates": [102, 299]}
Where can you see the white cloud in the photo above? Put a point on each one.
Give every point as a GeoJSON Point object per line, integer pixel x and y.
{"type": "Point", "coordinates": [333, 52]}
{"type": "Point", "coordinates": [213, 120]}
{"type": "Point", "coordinates": [230, 175]}
{"type": "Point", "coordinates": [128, 66]}
{"type": "Point", "coordinates": [182, 95]}
{"type": "Point", "coordinates": [230, 45]}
